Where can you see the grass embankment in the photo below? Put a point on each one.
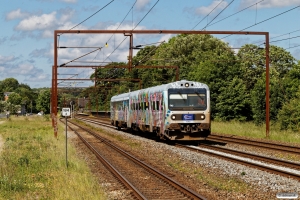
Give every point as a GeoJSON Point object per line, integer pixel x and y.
{"type": "Point", "coordinates": [33, 163]}
{"type": "Point", "coordinates": [250, 130]}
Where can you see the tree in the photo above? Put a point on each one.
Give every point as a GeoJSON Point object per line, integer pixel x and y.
{"type": "Point", "coordinates": [291, 82]}
{"type": "Point", "coordinates": [289, 115]}
{"type": "Point", "coordinates": [233, 102]}
{"type": "Point", "coordinates": [252, 65]}
{"type": "Point", "coordinates": [9, 84]}
{"type": "Point", "coordinates": [43, 101]}
{"type": "Point", "coordinates": [14, 98]}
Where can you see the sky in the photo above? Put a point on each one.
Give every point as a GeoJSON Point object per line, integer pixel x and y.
{"type": "Point", "coordinates": [27, 31]}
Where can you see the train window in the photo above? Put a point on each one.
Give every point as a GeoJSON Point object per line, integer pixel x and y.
{"type": "Point", "coordinates": [146, 105]}
{"type": "Point", "coordinates": [178, 100]}
{"type": "Point", "coordinates": [194, 99]}
{"type": "Point", "coordinates": [197, 100]}
{"type": "Point", "coordinates": [157, 105]}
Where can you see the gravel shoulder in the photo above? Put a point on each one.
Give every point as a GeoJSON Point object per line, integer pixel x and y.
{"type": "Point", "coordinates": [211, 177]}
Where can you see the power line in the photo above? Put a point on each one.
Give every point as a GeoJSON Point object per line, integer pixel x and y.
{"type": "Point", "coordinates": [235, 13]}
{"type": "Point", "coordinates": [146, 14]}
{"type": "Point", "coordinates": [207, 15]}
{"type": "Point", "coordinates": [277, 36]}
{"type": "Point", "coordinates": [264, 20]}
{"type": "Point", "coordinates": [132, 29]}
{"type": "Point", "coordinates": [218, 14]}
{"type": "Point", "coordinates": [80, 57]}
{"type": "Point", "coordinates": [284, 39]}
{"type": "Point", "coordinates": [293, 47]}
{"type": "Point", "coordinates": [118, 26]}
{"type": "Point", "coordinates": [81, 23]}
{"type": "Point", "coordinates": [91, 15]}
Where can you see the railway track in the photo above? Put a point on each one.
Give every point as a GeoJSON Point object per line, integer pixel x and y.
{"type": "Point", "coordinates": [267, 161]}
{"type": "Point", "coordinates": [225, 139]}
{"type": "Point", "coordinates": [255, 143]}
{"type": "Point", "coordinates": [292, 169]}
{"type": "Point", "coordinates": [96, 121]}
{"type": "Point", "coordinates": [144, 181]}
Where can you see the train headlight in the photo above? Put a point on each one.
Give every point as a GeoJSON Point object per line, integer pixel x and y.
{"type": "Point", "coordinates": [173, 117]}
{"type": "Point", "coordinates": [202, 117]}
{"type": "Point", "coordinates": [187, 85]}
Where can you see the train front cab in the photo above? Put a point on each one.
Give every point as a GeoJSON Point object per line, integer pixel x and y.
{"type": "Point", "coordinates": [188, 114]}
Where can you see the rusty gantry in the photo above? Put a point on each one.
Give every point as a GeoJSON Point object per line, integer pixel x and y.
{"type": "Point", "coordinates": [130, 33]}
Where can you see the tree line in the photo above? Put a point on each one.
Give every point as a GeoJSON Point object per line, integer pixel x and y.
{"type": "Point", "coordinates": [237, 80]}
{"type": "Point", "coordinates": [21, 95]}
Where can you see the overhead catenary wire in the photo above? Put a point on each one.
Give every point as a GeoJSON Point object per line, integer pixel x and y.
{"type": "Point", "coordinates": [91, 15]}
{"type": "Point", "coordinates": [142, 59]}
{"type": "Point", "coordinates": [118, 26]}
{"type": "Point", "coordinates": [261, 42]}
{"type": "Point", "coordinates": [132, 29]}
{"type": "Point", "coordinates": [264, 20]}
{"type": "Point", "coordinates": [235, 13]}
{"type": "Point", "coordinates": [293, 47]}
{"type": "Point", "coordinates": [146, 14]}
{"type": "Point", "coordinates": [89, 18]}
{"type": "Point", "coordinates": [218, 14]}
{"type": "Point", "coordinates": [79, 57]}
{"type": "Point", "coordinates": [207, 15]}
{"type": "Point", "coordinates": [80, 24]}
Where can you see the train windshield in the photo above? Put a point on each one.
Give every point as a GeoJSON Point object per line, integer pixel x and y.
{"type": "Point", "coordinates": [187, 99]}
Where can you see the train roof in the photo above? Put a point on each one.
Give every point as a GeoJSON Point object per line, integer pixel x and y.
{"type": "Point", "coordinates": [164, 87]}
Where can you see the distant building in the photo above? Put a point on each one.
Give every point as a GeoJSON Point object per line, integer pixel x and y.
{"type": "Point", "coordinates": [6, 95]}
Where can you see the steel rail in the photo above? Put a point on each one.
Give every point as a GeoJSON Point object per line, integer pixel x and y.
{"type": "Point", "coordinates": [246, 163]}
{"type": "Point", "coordinates": [260, 144]}
{"type": "Point", "coordinates": [271, 160]}
{"type": "Point", "coordinates": [175, 184]}
{"type": "Point", "coordinates": [110, 167]}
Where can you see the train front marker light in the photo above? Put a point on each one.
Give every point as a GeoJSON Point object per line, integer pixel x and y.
{"type": "Point", "coordinates": [173, 117]}
{"type": "Point", "coordinates": [187, 84]}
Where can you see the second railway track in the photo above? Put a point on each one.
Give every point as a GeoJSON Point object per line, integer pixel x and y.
{"type": "Point", "coordinates": [147, 182]}
{"type": "Point", "coordinates": [256, 143]}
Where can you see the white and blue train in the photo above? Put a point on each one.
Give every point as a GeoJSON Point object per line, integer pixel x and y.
{"type": "Point", "coordinates": [175, 111]}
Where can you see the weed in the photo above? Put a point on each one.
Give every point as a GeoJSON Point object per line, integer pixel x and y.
{"type": "Point", "coordinates": [33, 165]}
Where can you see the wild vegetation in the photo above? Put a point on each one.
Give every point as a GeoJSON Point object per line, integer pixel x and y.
{"type": "Point", "coordinates": [33, 163]}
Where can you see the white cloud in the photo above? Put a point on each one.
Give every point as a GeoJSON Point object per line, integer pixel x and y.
{"type": "Point", "coordinates": [16, 14]}
{"type": "Point", "coordinates": [23, 69]}
{"type": "Point", "coordinates": [270, 3]}
{"type": "Point", "coordinates": [204, 10]}
{"type": "Point", "coordinates": [5, 59]}
{"type": "Point", "coordinates": [37, 22]}
{"type": "Point", "coordinates": [141, 4]}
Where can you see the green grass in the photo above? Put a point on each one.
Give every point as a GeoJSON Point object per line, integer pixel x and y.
{"type": "Point", "coordinates": [33, 163]}
{"type": "Point", "coordinates": [248, 129]}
